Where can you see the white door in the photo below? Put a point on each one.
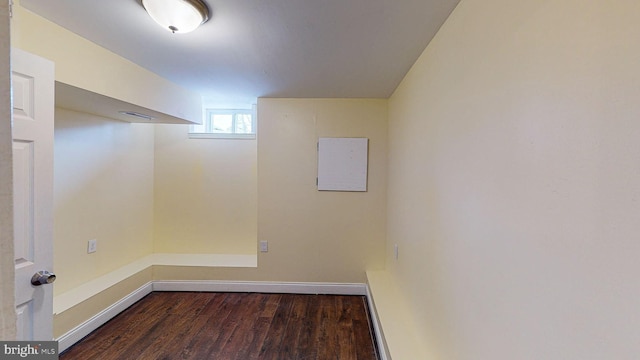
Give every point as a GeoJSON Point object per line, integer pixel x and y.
{"type": "Point", "coordinates": [33, 109]}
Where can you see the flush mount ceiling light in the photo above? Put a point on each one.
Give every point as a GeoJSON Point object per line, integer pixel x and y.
{"type": "Point", "coordinates": [177, 16]}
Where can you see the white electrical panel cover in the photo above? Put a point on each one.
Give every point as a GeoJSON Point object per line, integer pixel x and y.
{"type": "Point", "coordinates": [342, 164]}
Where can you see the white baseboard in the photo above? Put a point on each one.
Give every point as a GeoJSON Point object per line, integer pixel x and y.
{"type": "Point", "coordinates": [84, 329]}
{"type": "Point", "coordinates": [69, 299]}
{"type": "Point", "coordinates": [262, 287]}
{"type": "Point", "coordinates": [383, 351]}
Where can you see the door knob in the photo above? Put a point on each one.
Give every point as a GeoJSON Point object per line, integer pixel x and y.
{"type": "Point", "coordinates": [43, 278]}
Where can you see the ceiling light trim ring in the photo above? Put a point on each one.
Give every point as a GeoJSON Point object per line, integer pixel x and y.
{"type": "Point", "coordinates": [201, 7]}
{"type": "Point", "coordinates": [171, 16]}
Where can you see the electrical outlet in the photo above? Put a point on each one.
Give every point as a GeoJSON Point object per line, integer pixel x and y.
{"type": "Point", "coordinates": [92, 246]}
{"type": "Point", "coordinates": [395, 251]}
{"type": "Point", "coordinates": [264, 246]}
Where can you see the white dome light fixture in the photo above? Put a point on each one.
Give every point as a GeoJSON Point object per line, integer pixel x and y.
{"type": "Point", "coordinates": [177, 16]}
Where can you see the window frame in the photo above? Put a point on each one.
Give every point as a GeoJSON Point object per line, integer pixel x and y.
{"type": "Point", "coordinates": [208, 124]}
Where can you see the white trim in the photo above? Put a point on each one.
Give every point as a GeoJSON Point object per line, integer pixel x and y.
{"type": "Point", "coordinates": [261, 287]}
{"type": "Point", "coordinates": [69, 299]}
{"type": "Point", "coordinates": [383, 351]}
{"type": "Point", "coordinates": [76, 334]}
{"type": "Point", "coordinates": [75, 296]}
{"type": "Point", "coordinates": [222, 136]}
{"type": "Point", "coordinates": [208, 132]}
{"type": "Point", "coordinates": [206, 260]}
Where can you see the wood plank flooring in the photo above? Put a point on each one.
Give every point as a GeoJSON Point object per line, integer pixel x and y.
{"type": "Point", "coordinates": [227, 326]}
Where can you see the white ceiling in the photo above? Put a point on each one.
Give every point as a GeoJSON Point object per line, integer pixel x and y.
{"type": "Point", "coordinates": [266, 48]}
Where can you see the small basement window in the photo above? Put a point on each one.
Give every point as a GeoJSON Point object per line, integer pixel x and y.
{"type": "Point", "coordinates": [225, 124]}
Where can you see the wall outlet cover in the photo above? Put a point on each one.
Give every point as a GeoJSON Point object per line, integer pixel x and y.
{"type": "Point", "coordinates": [92, 246]}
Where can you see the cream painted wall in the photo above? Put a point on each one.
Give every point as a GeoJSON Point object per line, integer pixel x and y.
{"type": "Point", "coordinates": [205, 194]}
{"type": "Point", "coordinates": [7, 303]}
{"type": "Point", "coordinates": [312, 235]}
{"type": "Point", "coordinates": [215, 212]}
{"type": "Point", "coordinates": [514, 182]}
{"type": "Point", "coordinates": [85, 65]}
{"type": "Point", "coordinates": [103, 189]}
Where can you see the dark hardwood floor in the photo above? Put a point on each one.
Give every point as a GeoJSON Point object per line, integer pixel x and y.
{"type": "Point", "coordinates": [194, 325]}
